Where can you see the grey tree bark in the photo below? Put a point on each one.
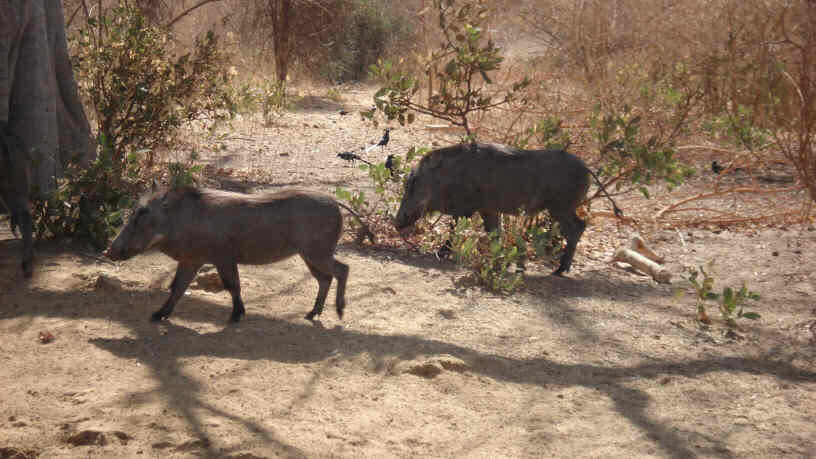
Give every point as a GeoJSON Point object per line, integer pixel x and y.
{"type": "Point", "coordinates": [38, 94]}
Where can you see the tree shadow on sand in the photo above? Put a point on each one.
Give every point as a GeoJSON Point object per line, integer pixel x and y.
{"type": "Point", "coordinates": [295, 341]}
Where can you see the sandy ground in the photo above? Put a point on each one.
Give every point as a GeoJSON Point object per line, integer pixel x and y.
{"type": "Point", "coordinates": [603, 363]}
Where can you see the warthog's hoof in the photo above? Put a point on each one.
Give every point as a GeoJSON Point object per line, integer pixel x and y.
{"type": "Point", "coordinates": [28, 269]}
{"type": "Point", "coordinates": [157, 316]}
{"type": "Point", "coordinates": [311, 315]}
{"type": "Point", "coordinates": [236, 317]}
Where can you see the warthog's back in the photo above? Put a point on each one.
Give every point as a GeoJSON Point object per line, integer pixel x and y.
{"type": "Point", "coordinates": [253, 229]}
{"type": "Point", "coordinates": [503, 179]}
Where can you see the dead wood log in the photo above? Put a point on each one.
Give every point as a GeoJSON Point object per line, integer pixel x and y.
{"type": "Point", "coordinates": [639, 245]}
{"type": "Point", "coordinates": [643, 259]}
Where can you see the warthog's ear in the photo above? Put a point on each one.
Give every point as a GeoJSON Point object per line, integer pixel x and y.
{"type": "Point", "coordinates": [431, 161]}
{"type": "Point", "coordinates": [168, 199]}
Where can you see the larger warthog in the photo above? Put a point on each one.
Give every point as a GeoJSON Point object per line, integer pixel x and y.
{"type": "Point", "coordinates": [197, 226]}
{"type": "Point", "coordinates": [14, 188]}
{"type": "Point", "coordinates": [494, 179]}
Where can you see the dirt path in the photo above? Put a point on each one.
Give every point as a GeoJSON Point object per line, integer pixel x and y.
{"type": "Point", "coordinates": [603, 363]}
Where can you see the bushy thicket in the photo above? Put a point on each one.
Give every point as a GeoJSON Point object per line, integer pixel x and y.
{"type": "Point", "coordinates": [141, 94]}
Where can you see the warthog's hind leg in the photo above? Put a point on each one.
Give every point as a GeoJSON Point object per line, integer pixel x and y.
{"type": "Point", "coordinates": [323, 282]}
{"type": "Point", "coordinates": [323, 270]}
{"type": "Point", "coordinates": [572, 228]}
{"type": "Point", "coordinates": [232, 283]}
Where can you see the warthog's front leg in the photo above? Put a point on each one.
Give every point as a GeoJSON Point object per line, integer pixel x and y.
{"type": "Point", "coordinates": [17, 204]}
{"type": "Point", "coordinates": [23, 221]}
{"type": "Point", "coordinates": [185, 273]}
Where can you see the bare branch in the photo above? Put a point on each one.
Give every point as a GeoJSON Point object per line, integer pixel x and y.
{"type": "Point", "coordinates": [188, 11]}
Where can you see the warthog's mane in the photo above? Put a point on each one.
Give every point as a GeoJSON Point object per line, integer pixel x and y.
{"type": "Point", "coordinates": [462, 152]}
{"type": "Point", "coordinates": [170, 194]}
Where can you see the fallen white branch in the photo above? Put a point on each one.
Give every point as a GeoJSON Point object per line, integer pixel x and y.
{"type": "Point", "coordinates": [639, 245]}
{"type": "Point", "coordinates": [643, 259]}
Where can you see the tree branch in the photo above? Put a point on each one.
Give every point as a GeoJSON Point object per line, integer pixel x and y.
{"type": "Point", "coordinates": [188, 11]}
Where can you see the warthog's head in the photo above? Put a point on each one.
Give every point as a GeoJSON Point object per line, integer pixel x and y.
{"type": "Point", "coordinates": [418, 193]}
{"type": "Point", "coordinates": [146, 228]}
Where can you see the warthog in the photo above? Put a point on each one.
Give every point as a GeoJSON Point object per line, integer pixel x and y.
{"type": "Point", "coordinates": [15, 170]}
{"type": "Point", "coordinates": [493, 179]}
{"type": "Point", "coordinates": [197, 226]}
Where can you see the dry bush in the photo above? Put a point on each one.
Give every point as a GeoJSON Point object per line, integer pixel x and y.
{"type": "Point", "coordinates": [736, 78]}
{"type": "Point", "coordinates": [333, 40]}
{"type": "Point", "coordinates": [767, 76]}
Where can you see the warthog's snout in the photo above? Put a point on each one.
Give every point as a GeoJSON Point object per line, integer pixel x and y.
{"type": "Point", "coordinates": [406, 218]}
{"type": "Point", "coordinates": [117, 253]}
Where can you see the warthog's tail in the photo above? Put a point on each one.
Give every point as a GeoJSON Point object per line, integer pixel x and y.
{"type": "Point", "coordinates": [615, 208]}
{"type": "Point", "coordinates": [368, 232]}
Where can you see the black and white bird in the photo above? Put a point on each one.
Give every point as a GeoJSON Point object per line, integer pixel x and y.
{"type": "Point", "coordinates": [716, 168]}
{"type": "Point", "coordinates": [446, 251]}
{"type": "Point", "coordinates": [382, 143]}
{"type": "Point", "coordinates": [351, 157]}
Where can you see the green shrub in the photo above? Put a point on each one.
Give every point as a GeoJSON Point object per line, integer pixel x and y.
{"type": "Point", "coordinates": [379, 210]}
{"type": "Point", "coordinates": [141, 95]}
{"type": "Point", "coordinates": [460, 68]}
{"type": "Point", "coordinates": [497, 260]}
{"type": "Point", "coordinates": [264, 95]}
{"type": "Point", "coordinates": [87, 202]}
{"type": "Point", "coordinates": [492, 258]}
{"type": "Point", "coordinates": [632, 158]}
{"type": "Point", "coordinates": [730, 302]}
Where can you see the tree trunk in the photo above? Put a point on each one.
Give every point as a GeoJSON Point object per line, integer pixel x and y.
{"type": "Point", "coordinates": [281, 11]}
{"type": "Point", "coordinates": [38, 93]}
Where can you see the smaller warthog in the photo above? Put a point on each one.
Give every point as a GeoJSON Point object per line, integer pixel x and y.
{"type": "Point", "coordinates": [197, 226]}
{"type": "Point", "coordinates": [494, 179]}
{"type": "Point", "coordinates": [14, 188]}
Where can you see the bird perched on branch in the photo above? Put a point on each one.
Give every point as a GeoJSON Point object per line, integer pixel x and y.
{"type": "Point", "coordinates": [716, 168]}
{"type": "Point", "coordinates": [351, 156]}
{"type": "Point", "coordinates": [382, 143]}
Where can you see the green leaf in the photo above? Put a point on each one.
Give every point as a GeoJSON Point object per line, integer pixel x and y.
{"type": "Point", "coordinates": [751, 315]}
{"type": "Point", "coordinates": [728, 294]}
{"type": "Point", "coordinates": [342, 194]}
